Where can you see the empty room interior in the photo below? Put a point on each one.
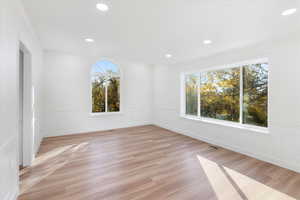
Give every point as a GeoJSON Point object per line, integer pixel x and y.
{"type": "Point", "coordinates": [149, 100]}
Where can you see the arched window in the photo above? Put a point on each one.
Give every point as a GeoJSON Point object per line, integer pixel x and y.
{"type": "Point", "coordinates": [105, 78]}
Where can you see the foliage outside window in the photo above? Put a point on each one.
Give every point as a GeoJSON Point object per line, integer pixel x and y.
{"type": "Point", "coordinates": [105, 78]}
{"type": "Point", "coordinates": [220, 94]}
{"type": "Point", "coordinates": [255, 98]}
{"type": "Point", "coordinates": [238, 94]}
{"type": "Point", "coordinates": [191, 90]}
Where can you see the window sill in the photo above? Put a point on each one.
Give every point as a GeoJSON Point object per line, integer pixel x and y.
{"type": "Point", "coordinates": [228, 124]}
{"type": "Point", "coordinates": [98, 115]}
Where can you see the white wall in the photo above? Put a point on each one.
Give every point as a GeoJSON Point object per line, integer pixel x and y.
{"type": "Point", "coordinates": [148, 95]}
{"type": "Point", "coordinates": [281, 145]}
{"type": "Point", "coordinates": [67, 97]}
{"type": "Point", "coordinates": [14, 27]}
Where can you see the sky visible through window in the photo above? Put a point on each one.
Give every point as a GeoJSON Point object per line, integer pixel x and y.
{"type": "Point", "coordinates": [104, 66]}
{"type": "Point", "coordinates": [105, 78]}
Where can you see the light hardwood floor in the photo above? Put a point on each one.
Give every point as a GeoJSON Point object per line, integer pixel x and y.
{"type": "Point", "coordinates": [150, 163]}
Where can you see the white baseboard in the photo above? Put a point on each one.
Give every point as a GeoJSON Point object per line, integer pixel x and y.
{"type": "Point", "coordinates": [285, 164]}
{"type": "Point", "coordinates": [80, 131]}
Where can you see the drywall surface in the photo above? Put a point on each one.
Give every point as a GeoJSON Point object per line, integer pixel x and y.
{"type": "Point", "coordinates": [15, 28]}
{"type": "Point", "coordinates": [67, 96]}
{"type": "Point", "coordinates": [281, 144]}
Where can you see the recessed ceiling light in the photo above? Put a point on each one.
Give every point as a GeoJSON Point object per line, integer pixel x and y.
{"type": "Point", "coordinates": [90, 40]}
{"type": "Point", "coordinates": [207, 42]}
{"type": "Point", "coordinates": [102, 7]}
{"type": "Point", "coordinates": [289, 12]}
{"type": "Point", "coordinates": [168, 56]}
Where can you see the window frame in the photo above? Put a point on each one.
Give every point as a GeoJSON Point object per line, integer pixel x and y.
{"type": "Point", "coordinates": [97, 114]}
{"type": "Point", "coordinates": [239, 124]}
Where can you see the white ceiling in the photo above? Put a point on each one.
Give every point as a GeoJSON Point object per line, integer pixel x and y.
{"type": "Point", "coordinates": [145, 30]}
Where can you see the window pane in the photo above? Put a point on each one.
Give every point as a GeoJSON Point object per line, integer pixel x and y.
{"type": "Point", "coordinates": [255, 100]}
{"type": "Point", "coordinates": [191, 94]}
{"type": "Point", "coordinates": [220, 94]}
{"type": "Point", "coordinates": [98, 94]}
{"type": "Point", "coordinates": [105, 77]}
{"type": "Point", "coordinates": [113, 95]}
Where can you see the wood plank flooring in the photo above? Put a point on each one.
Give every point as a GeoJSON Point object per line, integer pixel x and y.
{"type": "Point", "coordinates": [150, 163]}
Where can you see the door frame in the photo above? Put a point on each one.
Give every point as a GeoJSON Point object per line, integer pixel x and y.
{"type": "Point", "coordinates": [28, 107]}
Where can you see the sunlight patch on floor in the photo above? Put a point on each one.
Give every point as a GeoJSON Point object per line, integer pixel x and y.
{"type": "Point", "coordinates": [56, 163]}
{"type": "Point", "coordinates": [51, 154]}
{"type": "Point", "coordinates": [31, 182]}
{"type": "Point", "coordinates": [218, 180]}
{"type": "Point", "coordinates": [256, 190]}
{"type": "Point", "coordinates": [80, 146]}
{"type": "Point", "coordinates": [230, 184]}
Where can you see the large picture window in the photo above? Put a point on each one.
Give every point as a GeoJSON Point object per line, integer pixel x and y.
{"type": "Point", "coordinates": [105, 79]}
{"type": "Point", "coordinates": [220, 94]}
{"type": "Point", "coordinates": [237, 94]}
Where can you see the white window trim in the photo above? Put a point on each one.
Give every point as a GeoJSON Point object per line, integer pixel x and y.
{"type": "Point", "coordinates": [100, 114]}
{"type": "Point", "coordinates": [227, 123]}
{"type": "Point", "coordinates": [239, 124]}
{"type": "Point", "coordinates": [96, 115]}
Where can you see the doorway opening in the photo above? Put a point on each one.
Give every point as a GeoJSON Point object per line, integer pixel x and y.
{"type": "Point", "coordinates": [21, 105]}
{"type": "Point", "coordinates": [26, 112]}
